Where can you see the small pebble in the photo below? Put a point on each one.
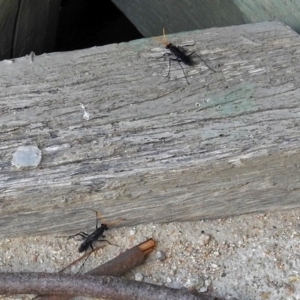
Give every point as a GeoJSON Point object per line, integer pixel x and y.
{"type": "Point", "coordinates": [138, 277]}
{"type": "Point", "coordinates": [204, 239]}
{"type": "Point", "coordinates": [207, 282]}
{"type": "Point", "coordinates": [132, 231]}
{"type": "Point", "coordinates": [194, 281]}
{"type": "Point", "coordinates": [169, 280]}
{"type": "Point", "coordinates": [160, 255]}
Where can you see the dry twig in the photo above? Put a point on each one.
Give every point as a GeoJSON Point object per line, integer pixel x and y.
{"type": "Point", "coordinates": [86, 285]}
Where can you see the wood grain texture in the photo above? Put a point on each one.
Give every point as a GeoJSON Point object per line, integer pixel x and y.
{"type": "Point", "coordinates": [153, 149]}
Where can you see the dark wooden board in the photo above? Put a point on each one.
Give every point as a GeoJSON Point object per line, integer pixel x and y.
{"type": "Point", "coordinates": [153, 148]}
{"type": "Point", "coordinates": [26, 26]}
{"type": "Point", "coordinates": [8, 13]}
{"type": "Point", "coordinates": [36, 27]}
{"type": "Point", "coordinates": [150, 17]}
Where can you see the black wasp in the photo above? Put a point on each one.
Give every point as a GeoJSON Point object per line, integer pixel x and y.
{"type": "Point", "coordinates": [89, 239]}
{"type": "Point", "coordinates": [178, 54]}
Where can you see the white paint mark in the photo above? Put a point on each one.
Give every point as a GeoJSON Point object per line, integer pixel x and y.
{"type": "Point", "coordinates": [256, 71]}
{"type": "Point", "coordinates": [27, 156]}
{"type": "Point", "coordinates": [56, 148]}
{"type": "Point", "coordinates": [86, 115]}
{"type": "Point", "coordinates": [188, 43]}
{"type": "Point", "coordinates": [236, 162]}
{"type": "Point", "coordinates": [8, 61]}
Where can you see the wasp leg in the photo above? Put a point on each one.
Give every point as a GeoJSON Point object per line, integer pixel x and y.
{"type": "Point", "coordinates": [86, 259]}
{"type": "Point", "coordinates": [178, 60]}
{"type": "Point", "coordinates": [108, 242]}
{"type": "Point", "coordinates": [170, 62]}
{"type": "Point", "coordinates": [82, 234]}
{"type": "Point", "coordinates": [194, 53]}
{"type": "Point", "coordinates": [105, 241]}
{"type": "Point", "coordinates": [170, 58]}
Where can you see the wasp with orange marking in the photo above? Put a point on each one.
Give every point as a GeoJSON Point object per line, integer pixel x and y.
{"type": "Point", "coordinates": [89, 239]}
{"type": "Point", "coordinates": [178, 53]}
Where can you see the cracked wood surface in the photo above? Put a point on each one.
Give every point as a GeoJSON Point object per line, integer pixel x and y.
{"type": "Point", "coordinates": [153, 148]}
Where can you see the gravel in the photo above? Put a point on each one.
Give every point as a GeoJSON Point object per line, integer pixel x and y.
{"type": "Point", "coordinates": [245, 257]}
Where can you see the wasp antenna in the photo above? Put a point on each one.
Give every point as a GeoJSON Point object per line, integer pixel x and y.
{"type": "Point", "coordinates": [115, 222]}
{"type": "Point", "coordinates": [164, 35]}
{"type": "Point", "coordinates": [162, 40]}
{"type": "Point", "coordinates": [99, 216]}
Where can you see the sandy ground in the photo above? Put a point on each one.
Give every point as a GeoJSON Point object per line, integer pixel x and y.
{"type": "Point", "coordinates": [245, 257]}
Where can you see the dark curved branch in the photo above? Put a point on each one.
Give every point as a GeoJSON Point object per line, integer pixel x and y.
{"type": "Point", "coordinates": [81, 285]}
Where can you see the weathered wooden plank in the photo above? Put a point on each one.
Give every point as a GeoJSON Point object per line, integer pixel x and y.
{"type": "Point", "coordinates": [187, 15]}
{"type": "Point", "coordinates": [153, 148]}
